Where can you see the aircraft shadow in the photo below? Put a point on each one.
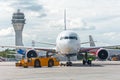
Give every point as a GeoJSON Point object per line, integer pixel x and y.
{"type": "Point", "coordinates": [86, 65]}
{"type": "Point", "coordinates": [95, 65]}
{"type": "Point", "coordinates": [81, 65]}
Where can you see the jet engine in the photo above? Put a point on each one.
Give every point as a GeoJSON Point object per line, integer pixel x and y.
{"type": "Point", "coordinates": [102, 54]}
{"type": "Point", "coordinates": [31, 54]}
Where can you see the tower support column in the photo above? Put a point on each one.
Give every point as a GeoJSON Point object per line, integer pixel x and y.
{"type": "Point", "coordinates": [18, 38]}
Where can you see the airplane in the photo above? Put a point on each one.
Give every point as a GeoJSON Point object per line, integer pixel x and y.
{"type": "Point", "coordinates": [67, 44]}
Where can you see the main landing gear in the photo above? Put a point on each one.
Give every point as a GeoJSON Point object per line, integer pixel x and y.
{"type": "Point", "coordinates": [86, 60]}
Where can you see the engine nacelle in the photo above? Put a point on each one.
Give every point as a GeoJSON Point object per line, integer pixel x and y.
{"type": "Point", "coordinates": [102, 54]}
{"type": "Point", "coordinates": [31, 54]}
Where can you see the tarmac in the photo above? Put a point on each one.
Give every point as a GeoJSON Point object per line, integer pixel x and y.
{"type": "Point", "coordinates": [100, 70]}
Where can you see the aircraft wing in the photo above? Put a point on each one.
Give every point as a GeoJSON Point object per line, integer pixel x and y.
{"type": "Point", "coordinates": [53, 50]}
{"type": "Point", "coordinates": [94, 49]}
{"type": "Point", "coordinates": [27, 47]}
{"type": "Point", "coordinates": [55, 44]}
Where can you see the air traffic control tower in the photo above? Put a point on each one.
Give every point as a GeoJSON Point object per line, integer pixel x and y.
{"type": "Point", "coordinates": [18, 21]}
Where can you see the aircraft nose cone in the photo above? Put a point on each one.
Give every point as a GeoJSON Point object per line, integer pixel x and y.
{"type": "Point", "coordinates": [69, 41]}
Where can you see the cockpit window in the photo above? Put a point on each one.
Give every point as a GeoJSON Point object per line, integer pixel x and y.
{"type": "Point", "coordinates": [70, 37]}
{"type": "Point", "coordinates": [73, 37]}
{"type": "Point", "coordinates": [66, 38]}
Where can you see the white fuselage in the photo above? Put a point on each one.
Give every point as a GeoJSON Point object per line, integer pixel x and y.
{"type": "Point", "coordinates": [67, 42]}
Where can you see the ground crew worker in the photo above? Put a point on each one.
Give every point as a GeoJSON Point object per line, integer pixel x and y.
{"type": "Point", "coordinates": [90, 61]}
{"type": "Point", "coordinates": [90, 58]}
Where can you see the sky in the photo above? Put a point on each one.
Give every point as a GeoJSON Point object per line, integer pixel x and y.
{"type": "Point", "coordinates": [45, 20]}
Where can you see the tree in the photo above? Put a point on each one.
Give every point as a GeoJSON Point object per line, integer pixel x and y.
{"type": "Point", "coordinates": [7, 52]}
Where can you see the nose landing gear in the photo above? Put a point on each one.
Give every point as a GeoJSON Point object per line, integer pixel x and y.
{"type": "Point", "coordinates": [68, 63]}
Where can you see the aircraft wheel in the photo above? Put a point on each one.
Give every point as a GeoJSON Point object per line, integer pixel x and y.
{"type": "Point", "coordinates": [89, 62]}
{"type": "Point", "coordinates": [50, 63]}
{"type": "Point", "coordinates": [69, 64]}
{"type": "Point", "coordinates": [62, 64]}
{"type": "Point", "coordinates": [84, 62]}
{"type": "Point", "coordinates": [37, 63]}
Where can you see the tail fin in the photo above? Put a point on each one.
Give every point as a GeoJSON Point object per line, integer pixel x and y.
{"type": "Point", "coordinates": [65, 19]}
{"type": "Point", "coordinates": [92, 44]}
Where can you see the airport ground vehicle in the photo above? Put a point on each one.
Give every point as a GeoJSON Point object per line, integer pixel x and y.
{"type": "Point", "coordinates": [38, 62]}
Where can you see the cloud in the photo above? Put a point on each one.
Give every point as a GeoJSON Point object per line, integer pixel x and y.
{"type": "Point", "coordinates": [7, 32]}
{"type": "Point", "coordinates": [112, 35]}
{"type": "Point", "coordinates": [56, 24]}
{"type": "Point", "coordinates": [110, 38]}
{"type": "Point", "coordinates": [74, 24]}
{"type": "Point", "coordinates": [101, 18]}
{"type": "Point", "coordinates": [80, 24]}
{"type": "Point", "coordinates": [31, 6]}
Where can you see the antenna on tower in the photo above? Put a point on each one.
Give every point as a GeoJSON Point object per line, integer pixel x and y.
{"type": "Point", "coordinates": [18, 10]}
{"type": "Point", "coordinates": [64, 19]}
